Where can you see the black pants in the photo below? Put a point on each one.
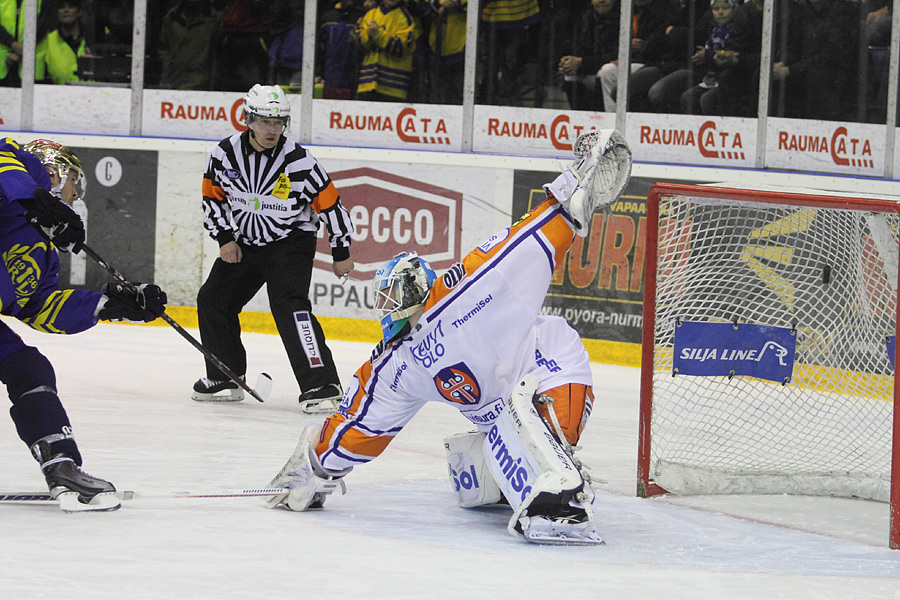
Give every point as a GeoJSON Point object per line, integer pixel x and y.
{"type": "Point", "coordinates": [286, 268]}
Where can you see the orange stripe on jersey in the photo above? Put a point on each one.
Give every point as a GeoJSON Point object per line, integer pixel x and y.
{"type": "Point", "coordinates": [353, 440]}
{"type": "Point", "coordinates": [210, 190]}
{"type": "Point", "coordinates": [557, 231]}
{"type": "Point", "coordinates": [326, 198]}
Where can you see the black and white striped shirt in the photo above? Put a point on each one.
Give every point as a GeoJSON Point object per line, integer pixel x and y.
{"type": "Point", "coordinates": [270, 194]}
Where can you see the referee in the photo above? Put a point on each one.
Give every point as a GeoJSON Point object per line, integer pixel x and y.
{"type": "Point", "coordinates": [263, 199]}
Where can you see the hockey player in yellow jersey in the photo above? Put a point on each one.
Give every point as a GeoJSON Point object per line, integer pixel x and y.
{"type": "Point", "coordinates": [474, 338]}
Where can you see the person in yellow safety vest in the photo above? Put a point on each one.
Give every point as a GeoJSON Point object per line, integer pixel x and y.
{"type": "Point", "coordinates": [12, 32]}
{"type": "Point", "coordinates": [62, 46]}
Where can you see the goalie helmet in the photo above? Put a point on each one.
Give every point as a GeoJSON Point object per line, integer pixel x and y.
{"type": "Point", "coordinates": [400, 288]}
{"type": "Point", "coordinates": [61, 161]}
{"type": "Point", "coordinates": [267, 102]}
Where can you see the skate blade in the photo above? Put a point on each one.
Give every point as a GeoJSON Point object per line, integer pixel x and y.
{"type": "Point", "coordinates": [543, 531]}
{"type": "Point", "coordinates": [318, 407]}
{"type": "Point", "coordinates": [235, 395]}
{"type": "Point", "coordinates": [70, 502]}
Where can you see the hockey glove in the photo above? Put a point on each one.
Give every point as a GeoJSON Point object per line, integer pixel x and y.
{"type": "Point", "coordinates": [121, 304]}
{"type": "Point", "coordinates": [55, 220]}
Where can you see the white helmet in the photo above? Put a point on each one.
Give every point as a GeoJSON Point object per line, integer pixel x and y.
{"type": "Point", "coordinates": [267, 102]}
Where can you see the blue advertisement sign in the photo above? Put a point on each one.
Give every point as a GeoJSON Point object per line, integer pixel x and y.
{"type": "Point", "coordinates": [730, 349]}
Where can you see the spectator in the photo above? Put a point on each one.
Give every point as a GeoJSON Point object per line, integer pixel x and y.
{"type": "Point", "coordinates": [649, 23]}
{"type": "Point", "coordinates": [388, 35]}
{"type": "Point", "coordinates": [738, 81]}
{"type": "Point", "coordinates": [878, 23]}
{"type": "Point", "coordinates": [678, 70]}
{"type": "Point", "coordinates": [511, 27]}
{"type": "Point", "coordinates": [596, 44]}
{"type": "Point", "coordinates": [62, 46]}
{"type": "Point", "coordinates": [243, 57]}
{"type": "Point", "coordinates": [12, 28]}
{"type": "Point", "coordinates": [813, 72]}
{"type": "Point", "coordinates": [338, 54]}
{"type": "Point", "coordinates": [109, 26]}
{"type": "Point", "coordinates": [286, 49]}
{"type": "Point", "coordinates": [447, 45]}
{"type": "Point", "coordinates": [703, 97]}
{"type": "Point", "coordinates": [188, 44]}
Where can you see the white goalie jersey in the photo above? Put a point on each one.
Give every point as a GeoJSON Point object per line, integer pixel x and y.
{"type": "Point", "coordinates": [480, 332]}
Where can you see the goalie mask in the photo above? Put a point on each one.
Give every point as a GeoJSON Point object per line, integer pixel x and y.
{"type": "Point", "coordinates": [267, 102]}
{"type": "Point", "coordinates": [400, 288]}
{"type": "Point", "coordinates": [61, 163]}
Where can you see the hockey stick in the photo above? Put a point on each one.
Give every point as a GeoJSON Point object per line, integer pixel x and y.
{"type": "Point", "coordinates": [131, 495]}
{"type": "Point", "coordinates": [263, 382]}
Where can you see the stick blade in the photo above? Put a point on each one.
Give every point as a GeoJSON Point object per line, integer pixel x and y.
{"type": "Point", "coordinates": [263, 386]}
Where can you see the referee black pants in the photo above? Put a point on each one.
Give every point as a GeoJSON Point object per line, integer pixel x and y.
{"type": "Point", "coordinates": [286, 269]}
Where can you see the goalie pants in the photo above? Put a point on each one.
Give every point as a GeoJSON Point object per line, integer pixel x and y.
{"type": "Point", "coordinates": [285, 267]}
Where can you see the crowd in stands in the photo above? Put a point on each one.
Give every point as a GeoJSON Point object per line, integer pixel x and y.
{"type": "Point", "coordinates": [829, 57]}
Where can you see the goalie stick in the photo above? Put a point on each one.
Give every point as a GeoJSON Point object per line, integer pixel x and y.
{"type": "Point", "coordinates": [131, 495]}
{"type": "Point", "coordinates": [263, 382]}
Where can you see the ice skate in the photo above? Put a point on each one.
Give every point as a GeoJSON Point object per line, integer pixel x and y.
{"type": "Point", "coordinates": [75, 490]}
{"type": "Point", "coordinates": [321, 400]}
{"type": "Point", "coordinates": [211, 390]}
{"type": "Point", "coordinates": [602, 170]}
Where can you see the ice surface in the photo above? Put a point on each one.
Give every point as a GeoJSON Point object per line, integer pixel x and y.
{"type": "Point", "coordinates": [397, 533]}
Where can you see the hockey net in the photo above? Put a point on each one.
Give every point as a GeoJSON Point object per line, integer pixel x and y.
{"type": "Point", "coordinates": [823, 269]}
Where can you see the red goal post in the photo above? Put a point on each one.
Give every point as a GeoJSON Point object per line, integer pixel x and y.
{"type": "Point", "coordinates": [725, 267]}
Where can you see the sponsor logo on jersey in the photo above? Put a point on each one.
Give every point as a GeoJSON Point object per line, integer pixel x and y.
{"type": "Point", "coordinates": [428, 351]}
{"type": "Point", "coordinates": [495, 239]}
{"type": "Point", "coordinates": [397, 375]}
{"type": "Point", "coordinates": [24, 271]}
{"type": "Point", "coordinates": [308, 338]}
{"type": "Point", "coordinates": [511, 466]}
{"type": "Point", "coordinates": [232, 174]}
{"type": "Point", "coordinates": [457, 384]}
{"type": "Point", "coordinates": [542, 361]}
{"type": "Point", "coordinates": [475, 310]}
{"type": "Point", "coordinates": [282, 187]}
{"type": "Point", "coordinates": [455, 274]}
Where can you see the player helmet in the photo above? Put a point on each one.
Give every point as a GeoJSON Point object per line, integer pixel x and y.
{"type": "Point", "coordinates": [62, 160]}
{"type": "Point", "coordinates": [267, 102]}
{"type": "Point", "coordinates": [400, 288]}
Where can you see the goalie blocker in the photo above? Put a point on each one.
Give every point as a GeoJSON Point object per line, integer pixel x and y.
{"type": "Point", "coordinates": [519, 459]}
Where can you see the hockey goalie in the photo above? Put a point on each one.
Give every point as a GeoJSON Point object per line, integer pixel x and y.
{"type": "Point", "coordinates": [474, 338]}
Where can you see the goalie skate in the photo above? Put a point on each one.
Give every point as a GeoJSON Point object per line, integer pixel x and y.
{"type": "Point", "coordinates": [603, 169]}
{"type": "Point", "coordinates": [562, 532]}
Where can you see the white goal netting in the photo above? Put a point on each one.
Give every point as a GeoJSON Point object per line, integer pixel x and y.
{"type": "Point", "coordinates": [827, 272]}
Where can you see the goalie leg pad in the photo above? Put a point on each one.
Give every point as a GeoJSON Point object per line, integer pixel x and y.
{"type": "Point", "coordinates": [306, 481]}
{"type": "Point", "coordinates": [469, 474]}
{"type": "Point", "coordinates": [536, 475]}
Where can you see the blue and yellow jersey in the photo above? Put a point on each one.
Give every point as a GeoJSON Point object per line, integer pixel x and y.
{"type": "Point", "coordinates": [29, 284]}
{"type": "Point", "coordinates": [388, 62]}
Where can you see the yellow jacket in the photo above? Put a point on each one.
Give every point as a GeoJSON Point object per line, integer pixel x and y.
{"type": "Point", "coordinates": [388, 62]}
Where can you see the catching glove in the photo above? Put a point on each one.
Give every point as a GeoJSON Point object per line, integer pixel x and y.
{"type": "Point", "coordinates": [141, 306]}
{"type": "Point", "coordinates": [55, 220]}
